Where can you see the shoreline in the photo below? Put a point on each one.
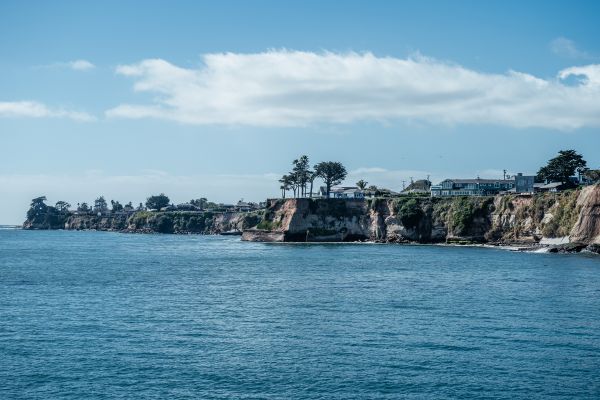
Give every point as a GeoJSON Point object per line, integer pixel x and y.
{"type": "Point", "coordinates": [565, 248]}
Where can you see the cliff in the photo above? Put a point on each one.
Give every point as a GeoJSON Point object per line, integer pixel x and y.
{"type": "Point", "coordinates": [149, 222]}
{"type": "Point", "coordinates": [571, 217]}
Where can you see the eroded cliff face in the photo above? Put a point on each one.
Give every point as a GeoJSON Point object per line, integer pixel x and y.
{"type": "Point", "coordinates": [587, 227]}
{"type": "Point", "coordinates": [570, 217]}
{"type": "Point", "coordinates": [151, 222]}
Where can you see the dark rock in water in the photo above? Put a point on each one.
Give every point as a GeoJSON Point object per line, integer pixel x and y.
{"type": "Point", "coordinates": [567, 248]}
{"type": "Point", "coordinates": [593, 248]}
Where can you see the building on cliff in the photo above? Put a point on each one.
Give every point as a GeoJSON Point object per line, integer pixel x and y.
{"type": "Point", "coordinates": [472, 187]}
{"type": "Point", "coordinates": [524, 183]}
{"type": "Point", "coordinates": [342, 192]}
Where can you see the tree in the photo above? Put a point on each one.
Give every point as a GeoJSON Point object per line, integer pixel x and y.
{"type": "Point", "coordinates": [200, 203]}
{"type": "Point", "coordinates": [290, 181]}
{"type": "Point", "coordinates": [62, 206]}
{"type": "Point", "coordinates": [116, 206]}
{"type": "Point", "coordinates": [562, 167]}
{"type": "Point", "coordinates": [157, 202]}
{"type": "Point", "coordinates": [332, 173]}
{"type": "Point", "coordinates": [38, 207]}
{"type": "Point", "coordinates": [286, 184]}
{"type": "Point", "coordinates": [83, 207]}
{"type": "Point", "coordinates": [100, 204]}
{"type": "Point", "coordinates": [301, 172]}
{"type": "Point", "coordinates": [128, 207]}
{"type": "Point", "coordinates": [312, 177]}
{"type": "Point", "coordinates": [140, 207]}
{"type": "Point", "coordinates": [362, 184]}
{"type": "Point", "coordinates": [592, 175]}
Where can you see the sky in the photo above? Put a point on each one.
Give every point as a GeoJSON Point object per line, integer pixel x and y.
{"type": "Point", "coordinates": [215, 99]}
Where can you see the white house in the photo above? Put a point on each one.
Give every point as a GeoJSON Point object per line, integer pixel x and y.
{"type": "Point", "coordinates": [343, 192]}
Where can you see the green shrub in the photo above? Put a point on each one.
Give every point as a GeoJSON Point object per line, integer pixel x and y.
{"type": "Point", "coordinates": [164, 224]}
{"type": "Point", "coordinates": [410, 213]}
{"type": "Point", "coordinates": [464, 210]}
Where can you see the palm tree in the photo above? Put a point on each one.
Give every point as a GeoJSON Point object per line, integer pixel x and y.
{"type": "Point", "coordinates": [362, 184]}
{"type": "Point", "coordinates": [311, 178]}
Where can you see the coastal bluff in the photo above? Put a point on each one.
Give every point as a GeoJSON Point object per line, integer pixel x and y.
{"type": "Point", "coordinates": [570, 219]}
{"type": "Point", "coordinates": [178, 222]}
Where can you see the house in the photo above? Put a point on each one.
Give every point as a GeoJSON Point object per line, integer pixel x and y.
{"type": "Point", "coordinates": [471, 187]}
{"type": "Point", "coordinates": [225, 207]}
{"type": "Point", "coordinates": [342, 192]}
{"type": "Point", "coordinates": [187, 207]}
{"type": "Point", "coordinates": [421, 186]}
{"type": "Point", "coordinates": [243, 206]}
{"type": "Point", "coordinates": [524, 183]}
{"type": "Point", "coordinates": [552, 187]}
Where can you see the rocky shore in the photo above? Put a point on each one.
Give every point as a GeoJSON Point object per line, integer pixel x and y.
{"type": "Point", "coordinates": [562, 222]}
{"type": "Point", "coordinates": [178, 222]}
{"type": "Point", "coordinates": [559, 222]}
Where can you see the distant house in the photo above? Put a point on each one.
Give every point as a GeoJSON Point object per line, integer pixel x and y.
{"type": "Point", "coordinates": [187, 207]}
{"type": "Point", "coordinates": [552, 187]}
{"type": "Point", "coordinates": [226, 207]}
{"type": "Point", "coordinates": [524, 183]}
{"type": "Point", "coordinates": [421, 186]}
{"type": "Point", "coordinates": [243, 206]}
{"type": "Point", "coordinates": [342, 192]}
{"type": "Point", "coordinates": [471, 187]}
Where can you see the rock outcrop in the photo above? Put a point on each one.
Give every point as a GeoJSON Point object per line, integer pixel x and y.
{"type": "Point", "coordinates": [571, 217]}
{"type": "Point", "coordinates": [587, 227]}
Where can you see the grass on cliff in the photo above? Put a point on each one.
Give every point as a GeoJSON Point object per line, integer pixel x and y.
{"type": "Point", "coordinates": [564, 215]}
{"type": "Point", "coordinates": [410, 211]}
{"type": "Point", "coordinates": [268, 225]}
{"type": "Point", "coordinates": [462, 211]}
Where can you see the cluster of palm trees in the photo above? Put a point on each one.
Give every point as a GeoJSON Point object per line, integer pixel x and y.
{"type": "Point", "coordinates": [300, 180]}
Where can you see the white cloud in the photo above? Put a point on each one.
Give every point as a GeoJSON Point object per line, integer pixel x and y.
{"type": "Point", "coordinates": [33, 109]}
{"type": "Point", "coordinates": [567, 48]}
{"type": "Point", "coordinates": [76, 65]}
{"type": "Point", "coordinates": [81, 65]}
{"type": "Point", "coordinates": [293, 88]}
{"type": "Point", "coordinates": [590, 75]}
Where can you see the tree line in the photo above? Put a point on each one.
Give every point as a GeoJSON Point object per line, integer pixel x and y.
{"type": "Point", "coordinates": [38, 205]}
{"type": "Point", "coordinates": [300, 180]}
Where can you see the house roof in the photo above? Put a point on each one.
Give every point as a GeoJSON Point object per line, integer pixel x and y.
{"type": "Point", "coordinates": [552, 185]}
{"type": "Point", "coordinates": [341, 189]}
{"type": "Point", "coordinates": [479, 180]}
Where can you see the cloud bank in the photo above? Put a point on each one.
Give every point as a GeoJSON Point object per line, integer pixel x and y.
{"type": "Point", "coordinates": [34, 109]}
{"type": "Point", "coordinates": [294, 88]}
{"type": "Point", "coordinates": [564, 47]}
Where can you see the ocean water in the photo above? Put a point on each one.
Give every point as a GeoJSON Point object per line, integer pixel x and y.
{"type": "Point", "coordinates": [105, 315]}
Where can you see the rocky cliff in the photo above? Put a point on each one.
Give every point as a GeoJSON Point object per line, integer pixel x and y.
{"type": "Point", "coordinates": [149, 222]}
{"type": "Point", "coordinates": [568, 217]}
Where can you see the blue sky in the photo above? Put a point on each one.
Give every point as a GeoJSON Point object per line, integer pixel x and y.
{"type": "Point", "coordinates": [195, 99]}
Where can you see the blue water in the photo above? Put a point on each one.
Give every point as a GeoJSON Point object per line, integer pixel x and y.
{"type": "Point", "coordinates": [105, 315]}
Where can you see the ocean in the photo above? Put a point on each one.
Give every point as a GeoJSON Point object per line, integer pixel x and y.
{"type": "Point", "coordinates": [118, 316]}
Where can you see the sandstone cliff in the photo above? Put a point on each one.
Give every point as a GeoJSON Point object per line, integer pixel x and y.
{"type": "Point", "coordinates": [149, 222]}
{"type": "Point", "coordinates": [568, 217]}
